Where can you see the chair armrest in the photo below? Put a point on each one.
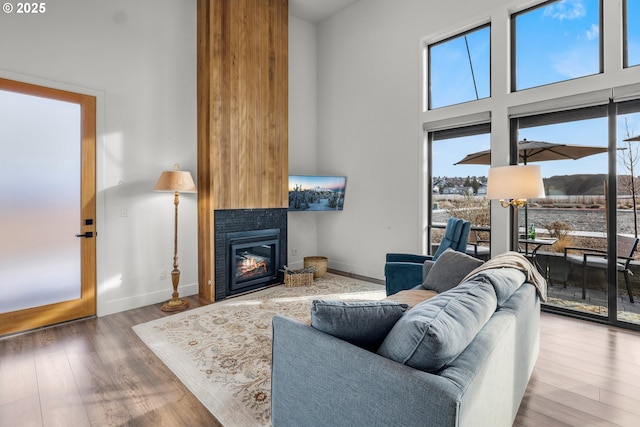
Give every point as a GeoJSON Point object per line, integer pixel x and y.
{"type": "Point", "coordinates": [599, 254]}
{"type": "Point", "coordinates": [586, 250]}
{"type": "Point", "coordinates": [573, 248]}
{"type": "Point", "coordinates": [475, 245]}
{"type": "Point", "coordinates": [398, 257]}
{"type": "Point", "coordinates": [402, 275]}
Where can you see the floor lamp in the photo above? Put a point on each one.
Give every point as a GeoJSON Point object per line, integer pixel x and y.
{"type": "Point", "coordinates": [176, 181]}
{"type": "Point", "coordinates": [513, 185]}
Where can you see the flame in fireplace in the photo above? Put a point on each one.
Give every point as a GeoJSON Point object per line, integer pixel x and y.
{"type": "Point", "coordinates": [251, 265]}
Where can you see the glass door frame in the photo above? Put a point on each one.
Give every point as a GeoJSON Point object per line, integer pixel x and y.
{"type": "Point", "coordinates": [611, 113]}
{"type": "Point", "coordinates": [85, 306]}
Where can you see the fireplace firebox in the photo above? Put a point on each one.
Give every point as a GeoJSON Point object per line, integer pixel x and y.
{"type": "Point", "coordinates": [254, 232]}
{"type": "Point", "coordinates": [254, 258]}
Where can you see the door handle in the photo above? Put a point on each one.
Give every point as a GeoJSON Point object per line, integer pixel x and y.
{"type": "Point", "coordinates": [87, 234]}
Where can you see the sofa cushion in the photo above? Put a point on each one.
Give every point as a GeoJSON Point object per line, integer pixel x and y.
{"type": "Point", "coordinates": [505, 281]}
{"type": "Point", "coordinates": [449, 270]}
{"type": "Point", "coordinates": [435, 332]}
{"type": "Point", "coordinates": [364, 324]}
{"type": "Point", "coordinates": [412, 297]}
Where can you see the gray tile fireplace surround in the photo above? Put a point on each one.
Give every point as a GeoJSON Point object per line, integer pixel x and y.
{"type": "Point", "coordinates": [235, 220]}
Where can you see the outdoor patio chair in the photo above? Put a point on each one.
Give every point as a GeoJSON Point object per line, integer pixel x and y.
{"type": "Point", "coordinates": [475, 247]}
{"type": "Point", "coordinates": [598, 259]}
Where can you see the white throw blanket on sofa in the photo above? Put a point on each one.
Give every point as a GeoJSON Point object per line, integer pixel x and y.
{"type": "Point", "coordinates": [520, 262]}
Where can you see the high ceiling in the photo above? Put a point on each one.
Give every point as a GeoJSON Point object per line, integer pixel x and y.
{"type": "Point", "coordinates": [316, 11]}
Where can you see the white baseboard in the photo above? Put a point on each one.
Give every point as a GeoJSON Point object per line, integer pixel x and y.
{"type": "Point", "coordinates": [136, 301]}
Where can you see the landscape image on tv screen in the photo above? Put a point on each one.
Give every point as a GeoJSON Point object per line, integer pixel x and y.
{"type": "Point", "coordinates": [316, 193]}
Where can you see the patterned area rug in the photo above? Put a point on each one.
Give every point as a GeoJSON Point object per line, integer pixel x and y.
{"type": "Point", "coordinates": [222, 352]}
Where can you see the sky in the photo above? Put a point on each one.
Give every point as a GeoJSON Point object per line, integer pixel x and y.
{"type": "Point", "coordinates": [567, 49]}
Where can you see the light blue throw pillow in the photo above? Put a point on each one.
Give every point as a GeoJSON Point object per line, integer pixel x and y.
{"type": "Point", "coordinates": [435, 332]}
{"type": "Point", "coordinates": [364, 324]}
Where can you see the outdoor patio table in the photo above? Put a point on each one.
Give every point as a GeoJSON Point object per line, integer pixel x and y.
{"type": "Point", "coordinates": [537, 244]}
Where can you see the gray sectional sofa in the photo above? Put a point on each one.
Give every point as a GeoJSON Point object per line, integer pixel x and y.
{"type": "Point", "coordinates": [461, 358]}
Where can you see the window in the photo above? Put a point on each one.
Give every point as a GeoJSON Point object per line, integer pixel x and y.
{"type": "Point", "coordinates": [556, 41]}
{"type": "Point", "coordinates": [459, 184]}
{"type": "Point", "coordinates": [459, 68]}
{"type": "Point", "coordinates": [632, 33]}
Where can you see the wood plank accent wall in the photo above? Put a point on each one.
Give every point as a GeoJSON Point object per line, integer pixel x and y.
{"type": "Point", "coordinates": [242, 114]}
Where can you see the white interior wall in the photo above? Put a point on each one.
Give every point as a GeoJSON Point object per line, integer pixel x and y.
{"type": "Point", "coordinates": [139, 59]}
{"type": "Point", "coordinates": [303, 159]}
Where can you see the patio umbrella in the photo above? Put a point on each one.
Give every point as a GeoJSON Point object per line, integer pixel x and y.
{"type": "Point", "coordinates": [537, 151]}
{"type": "Point", "coordinates": [633, 138]}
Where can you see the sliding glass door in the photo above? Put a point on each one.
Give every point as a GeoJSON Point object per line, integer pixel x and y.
{"type": "Point", "coordinates": [627, 293]}
{"type": "Point", "coordinates": [589, 159]}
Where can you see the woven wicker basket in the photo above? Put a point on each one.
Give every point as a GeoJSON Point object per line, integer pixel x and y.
{"type": "Point", "coordinates": [298, 279]}
{"type": "Point", "coordinates": [319, 262]}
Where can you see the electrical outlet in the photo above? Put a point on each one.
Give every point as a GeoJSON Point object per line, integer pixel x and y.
{"type": "Point", "coordinates": [124, 212]}
{"type": "Point", "coordinates": [294, 251]}
{"type": "Point", "coordinates": [162, 274]}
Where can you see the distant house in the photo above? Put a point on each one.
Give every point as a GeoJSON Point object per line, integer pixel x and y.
{"type": "Point", "coordinates": [457, 189]}
{"type": "Point", "coordinates": [449, 190]}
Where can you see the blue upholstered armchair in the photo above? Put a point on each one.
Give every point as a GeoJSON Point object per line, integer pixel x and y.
{"type": "Point", "coordinates": [405, 271]}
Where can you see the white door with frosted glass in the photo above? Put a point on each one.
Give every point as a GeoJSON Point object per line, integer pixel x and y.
{"type": "Point", "coordinates": [47, 188]}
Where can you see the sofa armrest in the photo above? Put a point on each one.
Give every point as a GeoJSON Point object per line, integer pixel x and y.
{"type": "Point", "coordinates": [320, 380]}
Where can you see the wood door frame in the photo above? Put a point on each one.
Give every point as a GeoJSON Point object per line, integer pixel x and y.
{"type": "Point", "coordinates": [35, 317]}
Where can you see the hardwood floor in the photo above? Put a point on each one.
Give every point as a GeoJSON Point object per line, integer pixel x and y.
{"type": "Point", "coordinates": [97, 372]}
{"type": "Point", "coordinates": [93, 372]}
{"type": "Point", "coordinates": [586, 375]}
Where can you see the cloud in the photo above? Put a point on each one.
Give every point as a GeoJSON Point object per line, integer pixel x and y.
{"type": "Point", "coordinates": [566, 9]}
{"type": "Point", "coordinates": [575, 63]}
{"type": "Point", "coordinates": [592, 33]}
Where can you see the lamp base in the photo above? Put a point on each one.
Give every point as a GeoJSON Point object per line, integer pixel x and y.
{"type": "Point", "coordinates": [176, 304]}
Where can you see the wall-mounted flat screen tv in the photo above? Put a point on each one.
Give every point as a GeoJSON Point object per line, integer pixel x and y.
{"type": "Point", "coordinates": [316, 193]}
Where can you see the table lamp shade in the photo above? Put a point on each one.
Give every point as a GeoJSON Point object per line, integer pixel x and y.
{"type": "Point", "coordinates": [180, 181]}
{"type": "Point", "coordinates": [515, 182]}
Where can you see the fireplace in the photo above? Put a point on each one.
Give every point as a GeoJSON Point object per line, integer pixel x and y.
{"type": "Point", "coordinates": [250, 247]}
{"type": "Point", "coordinates": [254, 259]}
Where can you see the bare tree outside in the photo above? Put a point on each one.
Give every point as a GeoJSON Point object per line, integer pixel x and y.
{"type": "Point", "coordinates": [629, 157]}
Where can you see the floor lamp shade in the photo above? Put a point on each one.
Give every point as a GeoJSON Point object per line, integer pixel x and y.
{"type": "Point", "coordinates": [513, 185]}
{"type": "Point", "coordinates": [515, 182]}
{"type": "Point", "coordinates": [180, 181]}
{"type": "Point", "coordinates": [176, 181]}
